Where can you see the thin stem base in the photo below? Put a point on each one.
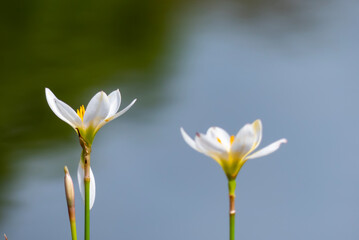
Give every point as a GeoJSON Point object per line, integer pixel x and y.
{"type": "Point", "coordinates": [232, 209]}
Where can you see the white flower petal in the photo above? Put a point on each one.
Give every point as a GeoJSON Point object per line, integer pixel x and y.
{"type": "Point", "coordinates": [221, 136]}
{"type": "Point", "coordinates": [50, 98]}
{"type": "Point", "coordinates": [65, 114]}
{"type": "Point", "coordinates": [210, 147]}
{"type": "Point", "coordinates": [189, 140]}
{"type": "Point", "coordinates": [268, 149]}
{"type": "Point", "coordinates": [244, 141]}
{"type": "Point", "coordinates": [122, 111]}
{"type": "Point", "coordinates": [258, 129]}
{"type": "Point", "coordinates": [115, 102]}
{"type": "Point", "coordinates": [80, 179]}
{"type": "Point", "coordinates": [97, 110]}
{"type": "Point", "coordinates": [68, 113]}
{"type": "Point", "coordinates": [116, 115]}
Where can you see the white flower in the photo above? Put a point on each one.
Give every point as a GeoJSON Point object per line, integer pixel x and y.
{"type": "Point", "coordinates": [100, 110]}
{"type": "Point", "coordinates": [231, 152]}
{"type": "Point", "coordinates": [86, 122]}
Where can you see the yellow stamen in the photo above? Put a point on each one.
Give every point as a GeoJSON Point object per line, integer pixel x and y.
{"type": "Point", "coordinates": [81, 112]}
{"type": "Point", "coordinates": [232, 139]}
{"type": "Point", "coordinates": [219, 140]}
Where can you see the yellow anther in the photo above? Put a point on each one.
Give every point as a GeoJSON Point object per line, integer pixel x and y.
{"type": "Point", "coordinates": [232, 139]}
{"type": "Point", "coordinates": [81, 112]}
{"type": "Point", "coordinates": [219, 140]}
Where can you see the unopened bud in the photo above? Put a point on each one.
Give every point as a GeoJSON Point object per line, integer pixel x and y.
{"type": "Point", "coordinates": [70, 194]}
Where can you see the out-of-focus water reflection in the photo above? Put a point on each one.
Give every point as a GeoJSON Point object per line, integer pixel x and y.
{"type": "Point", "coordinates": [291, 63]}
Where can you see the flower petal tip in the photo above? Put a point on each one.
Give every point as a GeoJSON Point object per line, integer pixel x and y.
{"type": "Point", "coordinates": [259, 122]}
{"type": "Point", "coordinates": [268, 149]}
{"type": "Point", "coordinates": [188, 140]}
{"type": "Point", "coordinates": [281, 141]}
{"type": "Point", "coordinates": [48, 93]}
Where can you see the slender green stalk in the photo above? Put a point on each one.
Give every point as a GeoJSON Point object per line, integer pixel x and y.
{"type": "Point", "coordinates": [232, 210]}
{"type": "Point", "coordinates": [86, 150]}
{"type": "Point", "coordinates": [87, 209]}
{"type": "Point", "coordinates": [73, 230]}
{"type": "Point", "coordinates": [231, 226]}
{"type": "Point", "coordinates": [85, 159]}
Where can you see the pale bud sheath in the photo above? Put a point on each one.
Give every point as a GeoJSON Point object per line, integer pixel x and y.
{"type": "Point", "coordinates": [70, 194]}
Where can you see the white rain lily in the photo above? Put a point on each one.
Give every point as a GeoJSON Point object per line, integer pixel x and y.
{"type": "Point", "coordinates": [231, 152]}
{"type": "Point", "coordinates": [101, 109]}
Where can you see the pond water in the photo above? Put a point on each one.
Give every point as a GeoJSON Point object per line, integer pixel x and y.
{"type": "Point", "coordinates": [293, 64]}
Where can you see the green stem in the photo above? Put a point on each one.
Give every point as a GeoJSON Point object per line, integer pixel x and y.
{"type": "Point", "coordinates": [231, 226]}
{"type": "Point", "coordinates": [85, 160]}
{"type": "Point", "coordinates": [73, 230]}
{"type": "Point", "coordinates": [87, 209]}
{"type": "Point", "coordinates": [232, 210]}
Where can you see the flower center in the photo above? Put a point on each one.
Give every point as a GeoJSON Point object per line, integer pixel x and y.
{"type": "Point", "coordinates": [231, 140]}
{"type": "Point", "coordinates": [81, 112]}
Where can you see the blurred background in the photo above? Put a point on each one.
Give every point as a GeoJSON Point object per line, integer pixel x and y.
{"type": "Point", "coordinates": [195, 64]}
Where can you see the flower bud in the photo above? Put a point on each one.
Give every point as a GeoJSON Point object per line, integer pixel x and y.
{"type": "Point", "coordinates": [70, 194]}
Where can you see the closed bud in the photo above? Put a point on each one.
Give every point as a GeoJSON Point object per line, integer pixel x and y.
{"type": "Point", "coordinates": [70, 194]}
